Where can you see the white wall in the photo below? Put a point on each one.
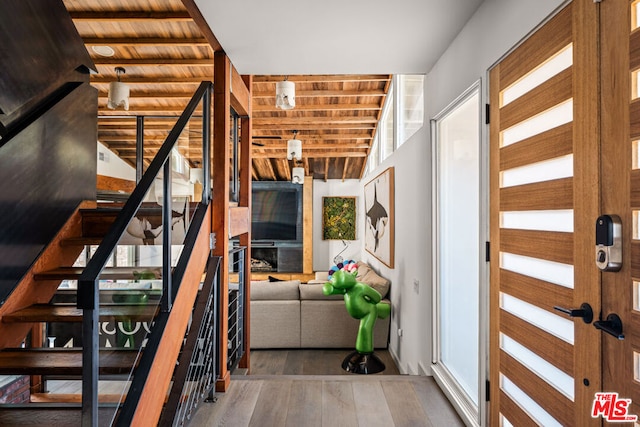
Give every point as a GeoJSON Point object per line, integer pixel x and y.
{"type": "Point", "coordinates": [325, 250]}
{"type": "Point", "coordinates": [113, 166]}
{"type": "Point", "coordinates": [497, 26]}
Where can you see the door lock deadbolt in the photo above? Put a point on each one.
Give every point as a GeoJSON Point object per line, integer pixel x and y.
{"type": "Point", "coordinates": [609, 243]}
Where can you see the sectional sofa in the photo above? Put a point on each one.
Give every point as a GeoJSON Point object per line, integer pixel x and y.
{"type": "Point", "coordinates": [291, 314]}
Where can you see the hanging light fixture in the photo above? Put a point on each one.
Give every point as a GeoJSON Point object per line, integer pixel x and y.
{"type": "Point", "coordinates": [118, 92]}
{"type": "Point", "coordinates": [297, 175]}
{"type": "Point", "coordinates": [285, 94]}
{"type": "Point", "coordinates": [294, 147]}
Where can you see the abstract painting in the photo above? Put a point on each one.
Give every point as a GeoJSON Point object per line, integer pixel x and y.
{"type": "Point", "coordinates": [379, 195]}
{"type": "Point", "coordinates": [338, 218]}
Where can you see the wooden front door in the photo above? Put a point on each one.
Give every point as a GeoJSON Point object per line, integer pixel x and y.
{"type": "Point", "coordinates": [598, 368]}
{"type": "Point", "coordinates": [620, 193]}
{"type": "Point", "coordinates": [545, 366]}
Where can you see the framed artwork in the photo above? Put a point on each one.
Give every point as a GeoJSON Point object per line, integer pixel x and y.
{"type": "Point", "coordinates": [379, 196]}
{"type": "Point", "coordinates": [338, 218]}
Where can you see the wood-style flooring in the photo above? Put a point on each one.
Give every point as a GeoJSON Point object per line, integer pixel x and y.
{"type": "Point", "coordinates": [309, 362]}
{"type": "Point", "coordinates": [269, 398]}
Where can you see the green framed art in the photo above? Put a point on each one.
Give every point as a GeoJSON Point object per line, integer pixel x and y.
{"type": "Point", "coordinates": [338, 218]}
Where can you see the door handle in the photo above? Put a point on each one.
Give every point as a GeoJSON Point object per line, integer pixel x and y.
{"type": "Point", "coordinates": [584, 311]}
{"type": "Point", "coordinates": [612, 326]}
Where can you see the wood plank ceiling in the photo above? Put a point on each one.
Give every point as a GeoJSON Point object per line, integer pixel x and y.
{"type": "Point", "coordinates": [167, 50]}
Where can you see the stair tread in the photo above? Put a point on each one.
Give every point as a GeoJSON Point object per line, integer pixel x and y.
{"type": "Point", "coordinates": [71, 398]}
{"type": "Point", "coordinates": [109, 273]}
{"type": "Point", "coordinates": [70, 313]}
{"type": "Point", "coordinates": [46, 414]}
{"type": "Point", "coordinates": [47, 361]}
{"type": "Point", "coordinates": [81, 241]}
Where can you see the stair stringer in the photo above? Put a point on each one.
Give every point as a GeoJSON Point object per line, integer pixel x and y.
{"type": "Point", "coordinates": [29, 291]}
{"type": "Point", "coordinates": [154, 393]}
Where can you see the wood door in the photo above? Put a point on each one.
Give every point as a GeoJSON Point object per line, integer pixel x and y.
{"type": "Point", "coordinates": [544, 147]}
{"type": "Point", "coordinates": [620, 191]}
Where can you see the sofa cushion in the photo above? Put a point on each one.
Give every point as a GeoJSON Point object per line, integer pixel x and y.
{"type": "Point", "coordinates": [265, 290]}
{"type": "Point", "coordinates": [275, 324]}
{"type": "Point", "coordinates": [369, 277]}
{"type": "Point", "coordinates": [326, 324]}
{"type": "Point", "coordinates": [313, 291]}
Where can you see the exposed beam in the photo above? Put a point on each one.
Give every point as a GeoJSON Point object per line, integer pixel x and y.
{"type": "Point", "coordinates": [164, 80]}
{"type": "Point", "coordinates": [315, 146]}
{"type": "Point", "coordinates": [144, 110]}
{"type": "Point", "coordinates": [323, 78]}
{"type": "Point", "coordinates": [313, 137]}
{"type": "Point", "coordinates": [316, 127]}
{"type": "Point", "coordinates": [344, 168]}
{"type": "Point", "coordinates": [285, 121]}
{"type": "Point", "coordinates": [203, 25]}
{"type": "Point", "coordinates": [271, 169]}
{"type": "Point", "coordinates": [329, 154]}
{"type": "Point", "coordinates": [318, 107]}
{"type": "Point", "coordinates": [324, 93]}
{"type": "Point", "coordinates": [326, 169]}
{"type": "Point", "coordinates": [141, 62]}
{"type": "Point", "coordinates": [146, 41]}
{"type": "Point", "coordinates": [150, 94]}
{"type": "Point", "coordinates": [130, 16]}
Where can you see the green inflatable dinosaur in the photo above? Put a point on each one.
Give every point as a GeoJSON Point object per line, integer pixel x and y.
{"type": "Point", "coordinates": [362, 302]}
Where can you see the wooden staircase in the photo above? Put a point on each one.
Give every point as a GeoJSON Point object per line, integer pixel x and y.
{"type": "Point", "coordinates": [121, 307]}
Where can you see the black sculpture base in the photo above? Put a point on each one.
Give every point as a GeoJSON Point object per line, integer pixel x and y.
{"type": "Point", "coordinates": [363, 363]}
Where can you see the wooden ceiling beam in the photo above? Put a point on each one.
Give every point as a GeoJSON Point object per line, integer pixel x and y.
{"type": "Point", "coordinates": [145, 41]}
{"type": "Point", "coordinates": [327, 154]}
{"type": "Point", "coordinates": [272, 170]}
{"type": "Point", "coordinates": [344, 168]}
{"type": "Point", "coordinates": [158, 80]}
{"type": "Point", "coordinates": [326, 169]}
{"type": "Point", "coordinates": [143, 110]}
{"type": "Point", "coordinates": [287, 121]}
{"type": "Point", "coordinates": [318, 107]}
{"type": "Point", "coordinates": [287, 170]}
{"type": "Point", "coordinates": [154, 95]}
{"type": "Point", "coordinates": [316, 146]}
{"type": "Point", "coordinates": [324, 93]}
{"type": "Point", "coordinates": [143, 15]}
{"type": "Point", "coordinates": [316, 137]}
{"type": "Point", "coordinates": [194, 12]}
{"type": "Point", "coordinates": [322, 78]}
{"type": "Point", "coordinates": [142, 62]}
{"type": "Point", "coordinates": [318, 127]}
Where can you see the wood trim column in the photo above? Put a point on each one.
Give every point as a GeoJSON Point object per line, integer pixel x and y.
{"type": "Point", "coordinates": [307, 221]}
{"type": "Point", "coordinates": [245, 239]}
{"type": "Point", "coordinates": [220, 188]}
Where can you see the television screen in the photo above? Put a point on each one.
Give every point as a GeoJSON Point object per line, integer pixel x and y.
{"type": "Point", "coordinates": [274, 214]}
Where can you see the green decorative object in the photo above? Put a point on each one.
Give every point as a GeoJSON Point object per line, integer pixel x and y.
{"type": "Point", "coordinates": [339, 218]}
{"type": "Point", "coordinates": [362, 302]}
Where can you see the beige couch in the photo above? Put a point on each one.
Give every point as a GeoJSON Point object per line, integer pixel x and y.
{"type": "Point", "coordinates": [290, 314]}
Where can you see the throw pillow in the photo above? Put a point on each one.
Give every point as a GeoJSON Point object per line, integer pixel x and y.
{"type": "Point", "coordinates": [275, 279]}
{"type": "Point", "coordinates": [369, 277]}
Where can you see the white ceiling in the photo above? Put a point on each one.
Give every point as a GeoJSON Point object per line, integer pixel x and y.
{"type": "Point", "coordinates": [335, 36]}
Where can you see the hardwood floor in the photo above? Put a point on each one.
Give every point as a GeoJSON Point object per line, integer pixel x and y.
{"type": "Point", "coordinates": [309, 362]}
{"type": "Point", "coordinates": [304, 388]}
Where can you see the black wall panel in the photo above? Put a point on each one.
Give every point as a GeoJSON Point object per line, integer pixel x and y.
{"type": "Point", "coordinates": [45, 171]}
{"type": "Point", "coordinates": [40, 50]}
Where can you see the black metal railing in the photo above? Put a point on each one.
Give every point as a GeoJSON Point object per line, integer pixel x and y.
{"type": "Point", "coordinates": [88, 284]}
{"type": "Point", "coordinates": [195, 376]}
{"type": "Point", "coordinates": [236, 311]}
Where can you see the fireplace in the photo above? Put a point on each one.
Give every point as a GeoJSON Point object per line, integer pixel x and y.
{"type": "Point", "coordinates": [264, 259]}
